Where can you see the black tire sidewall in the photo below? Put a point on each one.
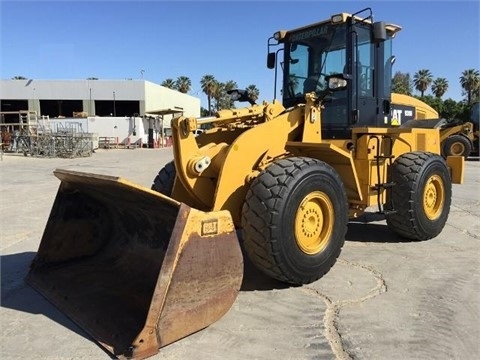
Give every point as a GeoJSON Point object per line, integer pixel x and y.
{"type": "Point", "coordinates": [410, 174]}
{"type": "Point", "coordinates": [433, 166]}
{"type": "Point", "coordinates": [164, 181]}
{"type": "Point", "coordinates": [269, 216]}
{"type": "Point", "coordinates": [311, 180]}
{"type": "Point", "coordinates": [451, 140]}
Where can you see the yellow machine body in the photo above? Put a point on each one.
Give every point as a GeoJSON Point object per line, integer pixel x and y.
{"type": "Point", "coordinates": [238, 153]}
{"type": "Point", "coordinates": [456, 138]}
{"type": "Point", "coordinates": [422, 110]}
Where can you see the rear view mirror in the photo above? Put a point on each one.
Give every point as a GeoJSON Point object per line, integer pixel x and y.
{"type": "Point", "coordinates": [271, 60]}
{"type": "Point", "coordinates": [379, 32]}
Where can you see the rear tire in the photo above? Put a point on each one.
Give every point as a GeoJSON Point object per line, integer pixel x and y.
{"type": "Point", "coordinates": [163, 182]}
{"type": "Point", "coordinates": [294, 220]}
{"type": "Point", "coordinates": [421, 197]}
{"type": "Point", "coordinates": [457, 145]}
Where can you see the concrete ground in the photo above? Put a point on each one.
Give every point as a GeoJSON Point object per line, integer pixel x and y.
{"type": "Point", "coordinates": [385, 298]}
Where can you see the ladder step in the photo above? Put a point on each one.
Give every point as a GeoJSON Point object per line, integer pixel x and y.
{"type": "Point", "coordinates": [389, 212]}
{"type": "Point", "coordinates": [384, 156]}
{"type": "Point", "coordinates": [384, 185]}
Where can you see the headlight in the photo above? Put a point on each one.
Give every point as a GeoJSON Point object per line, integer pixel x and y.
{"type": "Point", "coordinates": [336, 83]}
{"type": "Point", "coordinates": [335, 19]}
{"type": "Point", "coordinates": [279, 35]}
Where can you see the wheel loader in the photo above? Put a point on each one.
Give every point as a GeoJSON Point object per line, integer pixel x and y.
{"type": "Point", "coordinates": [456, 137]}
{"type": "Point", "coordinates": [139, 268]}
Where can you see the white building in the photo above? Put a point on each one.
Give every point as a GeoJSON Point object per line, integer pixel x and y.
{"type": "Point", "coordinates": [130, 110]}
{"type": "Point", "coordinates": [63, 98]}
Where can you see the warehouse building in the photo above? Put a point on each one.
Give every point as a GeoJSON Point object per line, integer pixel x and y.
{"type": "Point", "coordinates": [118, 111]}
{"type": "Point", "coordinates": [74, 98]}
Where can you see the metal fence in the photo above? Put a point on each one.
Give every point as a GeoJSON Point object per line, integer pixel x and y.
{"type": "Point", "coordinates": [64, 141]}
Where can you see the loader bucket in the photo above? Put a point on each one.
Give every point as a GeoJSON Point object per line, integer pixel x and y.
{"type": "Point", "coordinates": [133, 268]}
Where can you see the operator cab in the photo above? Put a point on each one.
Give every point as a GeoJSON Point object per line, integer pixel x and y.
{"type": "Point", "coordinates": [356, 49]}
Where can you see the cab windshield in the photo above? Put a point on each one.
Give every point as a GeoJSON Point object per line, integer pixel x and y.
{"type": "Point", "coordinates": [311, 55]}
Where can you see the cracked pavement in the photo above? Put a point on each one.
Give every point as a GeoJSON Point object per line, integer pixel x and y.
{"type": "Point", "coordinates": [385, 298]}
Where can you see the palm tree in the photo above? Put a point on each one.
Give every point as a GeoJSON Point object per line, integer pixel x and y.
{"type": "Point", "coordinates": [226, 101]}
{"type": "Point", "coordinates": [183, 84]}
{"type": "Point", "coordinates": [168, 83]}
{"type": "Point", "coordinates": [470, 82]}
{"type": "Point", "coordinates": [230, 85]}
{"type": "Point", "coordinates": [475, 95]}
{"type": "Point", "coordinates": [253, 92]}
{"type": "Point", "coordinates": [209, 87]}
{"type": "Point", "coordinates": [422, 80]}
{"type": "Point", "coordinates": [439, 87]}
{"type": "Point", "coordinates": [218, 95]}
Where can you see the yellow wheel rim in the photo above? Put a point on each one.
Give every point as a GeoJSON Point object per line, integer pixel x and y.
{"type": "Point", "coordinates": [457, 149]}
{"type": "Point", "coordinates": [433, 197]}
{"type": "Point", "coordinates": [314, 223]}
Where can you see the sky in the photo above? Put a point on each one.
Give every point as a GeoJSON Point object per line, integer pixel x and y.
{"type": "Point", "coordinates": [156, 40]}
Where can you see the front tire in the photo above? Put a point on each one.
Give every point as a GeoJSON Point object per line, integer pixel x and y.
{"type": "Point", "coordinates": [294, 219]}
{"type": "Point", "coordinates": [421, 196]}
{"type": "Point", "coordinates": [163, 182]}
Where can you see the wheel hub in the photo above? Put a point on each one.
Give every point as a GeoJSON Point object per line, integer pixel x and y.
{"type": "Point", "coordinates": [314, 223]}
{"type": "Point", "coordinates": [457, 149]}
{"type": "Point", "coordinates": [433, 197]}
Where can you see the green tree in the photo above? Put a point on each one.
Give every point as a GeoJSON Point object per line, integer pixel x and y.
{"type": "Point", "coordinates": [19, 77]}
{"type": "Point", "coordinates": [183, 84]}
{"type": "Point", "coordinates": [434, 102]}
{"type": "Point", "coordinates": [217, 95]}
{"type": "Point", "coordinates": [168, 83]}
{"type": "Point", "coordinates": [470, 82]}
{"type": "Point", "coordinates": [253, 92]}
{"type": "Point", "coordinates": [226, 102]}
{"type": "Point", "coordinates": [439, 87]}
{"type": "Point", "coordinates": [422, 80]}
{"type": "Point", "coordinates": [451, 109]}
{"type": "Point", "coordinates": [209, 87]}
{"type": "Point", "coordinates": [401, 83]}
{"type": "Point", "coordinates": [221, 96]}
{"type": "Point", "coordinates": [476, 95]}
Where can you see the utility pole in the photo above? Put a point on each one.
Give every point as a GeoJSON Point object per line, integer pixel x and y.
{"type": "Point", "coordinates": [114, 106]}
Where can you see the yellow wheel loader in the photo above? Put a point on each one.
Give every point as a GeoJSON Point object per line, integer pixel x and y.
{"type": "Point", "coordinates": [139, 268]}
{"type": "Point", "coordinates": [457, 138]}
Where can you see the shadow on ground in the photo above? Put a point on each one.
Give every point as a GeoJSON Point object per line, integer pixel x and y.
{"type": "Point", "coordinates": [16, 294]}
{"type": "Point", "coordinates": [372, 227]}
{"type": "Point", "coordinates": [254, 279]}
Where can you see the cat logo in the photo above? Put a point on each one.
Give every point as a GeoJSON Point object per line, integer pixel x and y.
{"type": "Point", "coordinates": [396, 117]}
